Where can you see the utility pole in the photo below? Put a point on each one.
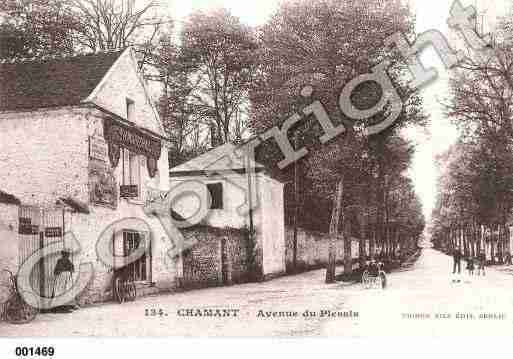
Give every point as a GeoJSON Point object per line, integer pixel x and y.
{"type": "Point", "coordinates": [296, 210]}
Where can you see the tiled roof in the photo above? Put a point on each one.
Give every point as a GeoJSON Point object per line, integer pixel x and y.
{"type": "Point", "coordinates": [52, 81]}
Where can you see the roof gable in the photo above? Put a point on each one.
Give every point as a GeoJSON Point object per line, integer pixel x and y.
{"type": "Point", "coordinates": [124, 82]}
{"type": "Point", "coordinates": [52, 81]}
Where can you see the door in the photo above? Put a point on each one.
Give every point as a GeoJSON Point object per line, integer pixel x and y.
{"type": "Point", "coordinates": [38, 228]}
{"type": "Point", "coordinates": [140, 269]}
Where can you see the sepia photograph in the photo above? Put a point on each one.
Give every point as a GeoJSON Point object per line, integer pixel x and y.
{"type": "Point", "coordinates": [255, 169]}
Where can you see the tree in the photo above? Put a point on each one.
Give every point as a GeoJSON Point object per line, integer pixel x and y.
{"type": "Point", "coordinates": [475, 194]}
{"type": "Point", "coordinates": [177, 103]}
{"type": "Point", "coordinates": [220, 52]}
{"type": "Point", "coordinates": [323, 44]}
{"type": "Point", "coordinates": [478, 179]}
{"type": "Point", "coordinates": [53, 27]}
{"type": "Point", "coordinates": [35, 28]}
{"type": "Point", "coordinates": [204, 79]}
{"type": "Point", "coordinates": [115, 24]}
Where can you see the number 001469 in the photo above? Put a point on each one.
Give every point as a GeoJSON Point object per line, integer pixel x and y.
{"type": "Point", "coordinates": [34, 351]}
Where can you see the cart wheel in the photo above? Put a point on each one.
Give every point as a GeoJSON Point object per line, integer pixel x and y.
{"type": "Point", "coordinates": [132, 291]}
{"type": "Point", "coordinates": [19, 312]}
{"type": "Point", "coordinates": [6, 285]}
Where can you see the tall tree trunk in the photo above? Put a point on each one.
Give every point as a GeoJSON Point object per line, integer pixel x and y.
{"type": "Point", "coordinates": [473, 238]}
{"type": "Point", "coordinates": [334, 230]}
{"type": "Point", "coordinates": [348, 255]}
{"type": "Point", "coordinates": [492, 249]}
{"type": "Point", "coordinates": [380, 193]}
{"type": "Point", "coordinates": [465, 239]}
{"type": "Point", "coordinates": [481, 238]}
{"type": "Point", "coordinates": [386, 243]}
{"type": "Point", "coordinates": [507, 240]}
{"type": "Point", "coordinates": [478, 238]}
{"type": "Point", "coordinates": [499, 242]}
{"type": "Point", "coordinates": [372, 241]}
{"type": "Point", "coordinates": [363, 238]}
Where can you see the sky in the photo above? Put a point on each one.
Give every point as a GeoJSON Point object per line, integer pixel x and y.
{"type": "Point", "coordinates": [431, 14]}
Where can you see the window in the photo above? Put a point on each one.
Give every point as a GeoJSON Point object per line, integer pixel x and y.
{"type": "Point", "coordinates": [135, 169]}
{"type": "Point", "coordinates": [130, 108]}
{"type": "Point", "coordinates": [216, 193]}
{"type": "Point", "coordinates": [140, 270]}
{"type": "Point", "coordinates": [131, 169]}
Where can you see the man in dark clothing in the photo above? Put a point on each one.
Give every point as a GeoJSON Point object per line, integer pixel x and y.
{"type": "Point", "coordinates": [456, 255]}
{"type": "Point", "coordinates": [63, 280]}
{"type": "Point", "coordinates": [64, 264]}
{"type": "Point", "coordinates": [481, 261]}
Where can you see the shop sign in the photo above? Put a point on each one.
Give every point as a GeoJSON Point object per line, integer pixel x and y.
{"type": "Point", "coordinates": [132, 139]}
{"type": "Point", "coordinates": [103, 185]}
{"type": "Point", "coordinates": [98, 148]}
{"type": "Point", "coordinates": [26, 227]}
{"type": "Point", "coordinates": [52, 232]}
{"type": "Point", "coordinates": [129, 191]}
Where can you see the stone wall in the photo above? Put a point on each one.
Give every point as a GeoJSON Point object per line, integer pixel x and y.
{"type": "Point", "coordinates": [219, 257]}
{"type": "Point", "coordinates": [202, 265]}
{"type": "Point", "coordinates": [44, 155]}
{"type": "Point", "coordinates": [312, 249]}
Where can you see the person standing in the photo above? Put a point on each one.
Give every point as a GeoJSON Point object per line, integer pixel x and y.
{"type": "Point", "coordinates": [481, 260]}
{"type": "Point", "coordinates": [456, 255]}
{"type": "Point", "coordinates": [63, 279]}
{"type": "Point", "coordinates": [470, 265]}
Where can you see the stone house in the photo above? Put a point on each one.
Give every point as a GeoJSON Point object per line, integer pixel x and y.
{"type": "Point", "coordinates": [81, 146]}
{"type": "Point", "coordinates": [229, 185]}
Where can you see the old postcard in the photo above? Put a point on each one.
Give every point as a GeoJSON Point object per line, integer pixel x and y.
{"type": "Point", "coordinates": [296, 168]}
